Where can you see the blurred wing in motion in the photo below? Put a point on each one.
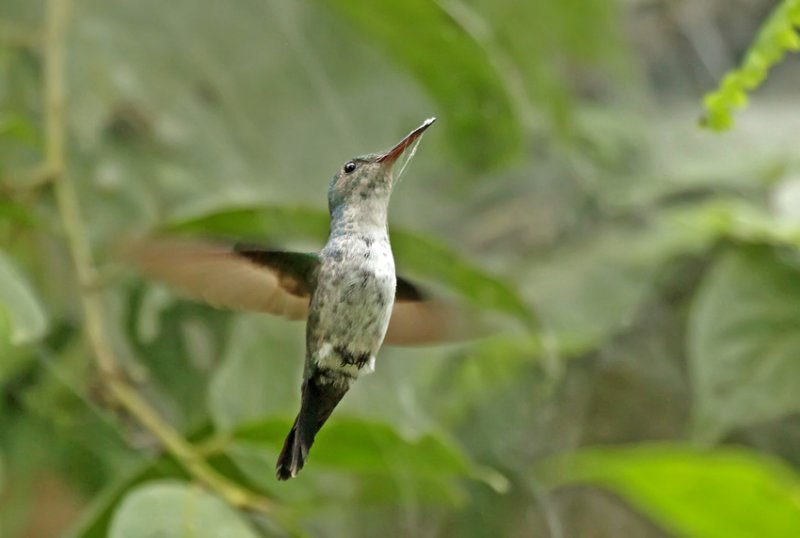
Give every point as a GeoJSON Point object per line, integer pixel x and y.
{"type": "Point", "coordinates": [418, 320]}
{"type": "Point", "coordinates": [239, 278]}
{"type": "Point", "coordinates": [255, 279]}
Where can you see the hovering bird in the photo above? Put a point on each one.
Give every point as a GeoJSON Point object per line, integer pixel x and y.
{"type": "Point", "coordinates": [349, 293]}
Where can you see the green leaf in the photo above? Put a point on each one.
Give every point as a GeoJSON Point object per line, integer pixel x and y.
{"type": "Point", "coordinates": [18, 127]}
{"type": "Point", "coordinates": [270, 224]}
{"type": "Point", "coordinates": [376, 449]}
{"type": "Point", "coordinates": [454, 68]}
{"type": "Point", "coordinates": [96, 518]}
{"type": "Point", "coordinates": [425, 257]}
{"type": "Point", "coordinates": [13, 211]}
{"type": "Point", "coordinates": [172, 508]}
{"type": "Point", "coordinates": [723, 493]}
{"type": "Point", "coordinates": [19, 306]}
{"type": "Point", "coordinates": [366, 446]}
{"type": "Point", "coordinates": [743, 342]}
{"type": "Point", "coordinates": [365, 488]}
{"type": "Point", "coordinates": [433, 259]}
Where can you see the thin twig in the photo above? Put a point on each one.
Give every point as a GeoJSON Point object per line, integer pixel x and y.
{"type": "Point", "coordinates": [91, 296]}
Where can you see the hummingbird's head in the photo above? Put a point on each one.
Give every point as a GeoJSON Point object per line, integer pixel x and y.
{"type": "Point", "coordinates": [366, 182]}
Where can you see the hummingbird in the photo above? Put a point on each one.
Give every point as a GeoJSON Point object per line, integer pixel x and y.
{"type": "Point", "coordinates": [348, 292]}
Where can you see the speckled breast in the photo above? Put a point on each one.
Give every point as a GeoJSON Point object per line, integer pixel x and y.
{"type": "Point", "coordinates": [352, 306]}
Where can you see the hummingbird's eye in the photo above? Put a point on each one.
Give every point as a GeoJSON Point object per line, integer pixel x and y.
{"type": "Point", "coordinates": [349, 167]}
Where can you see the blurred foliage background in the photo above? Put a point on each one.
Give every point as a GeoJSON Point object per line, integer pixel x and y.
{"type": "Point", "coordinates": [645, 273]}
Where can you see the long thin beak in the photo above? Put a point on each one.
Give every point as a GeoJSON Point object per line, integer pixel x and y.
{"type": "Point", "coordinates": [391, 156]}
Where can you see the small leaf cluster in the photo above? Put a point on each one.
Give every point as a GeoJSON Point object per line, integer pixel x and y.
{"type": "Point", "coordinates": [777, 36]}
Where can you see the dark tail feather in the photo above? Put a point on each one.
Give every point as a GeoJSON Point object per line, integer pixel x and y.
{"type": "Point", "coordinates": [318, 402]}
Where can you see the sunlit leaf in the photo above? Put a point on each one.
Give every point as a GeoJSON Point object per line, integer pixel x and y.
{"type": "Point", "coordinates": [744, 342]}
{"type": "Point", "coordinates": [19, 305]}
{"type": "Point", "coordinates": [172, 508]}
{"type": "Point", "coordinates": [451, 65]}
{"type": "Point", "coordinates": [702, 494]}
{"type": "Point", "coordinates": [777, 36]}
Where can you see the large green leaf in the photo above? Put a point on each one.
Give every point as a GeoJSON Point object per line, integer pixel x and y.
{"type": "Point", "coordinates": [421, 255]}
{"type": "Point", "coordinates": [454, 68]}
{"type": "Point", "coordinates": [172, 508]}
{"type": "Point", "coordinates": [719, 494]}
{"type": "Point", "coordinates": [744, 341]}
{"type": "Point", "coordinates": [25, 318]}
{"type": "Point", "coordinates": [365, 446]}
{"type": "Point", "coordinates": [375, 448]}
{"type": "Point", "coordinates": [270, 224]}
{"type": "Point", "coordinates": [96, 518]}
{"type": "Point", "coordinates": [365, 488]}
{"type": "Point", "coordinates": [435, 260]}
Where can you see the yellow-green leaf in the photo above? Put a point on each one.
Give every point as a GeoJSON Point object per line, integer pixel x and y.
{"type": "Point", "coordinates": [724, 493]}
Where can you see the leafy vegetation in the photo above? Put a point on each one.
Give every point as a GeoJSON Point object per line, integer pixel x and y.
{"type": "Point", "coordinates": [641, 274]}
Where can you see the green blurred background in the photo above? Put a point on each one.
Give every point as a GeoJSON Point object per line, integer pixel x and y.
{"type": "Point", "coordinates": [643, 273]}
